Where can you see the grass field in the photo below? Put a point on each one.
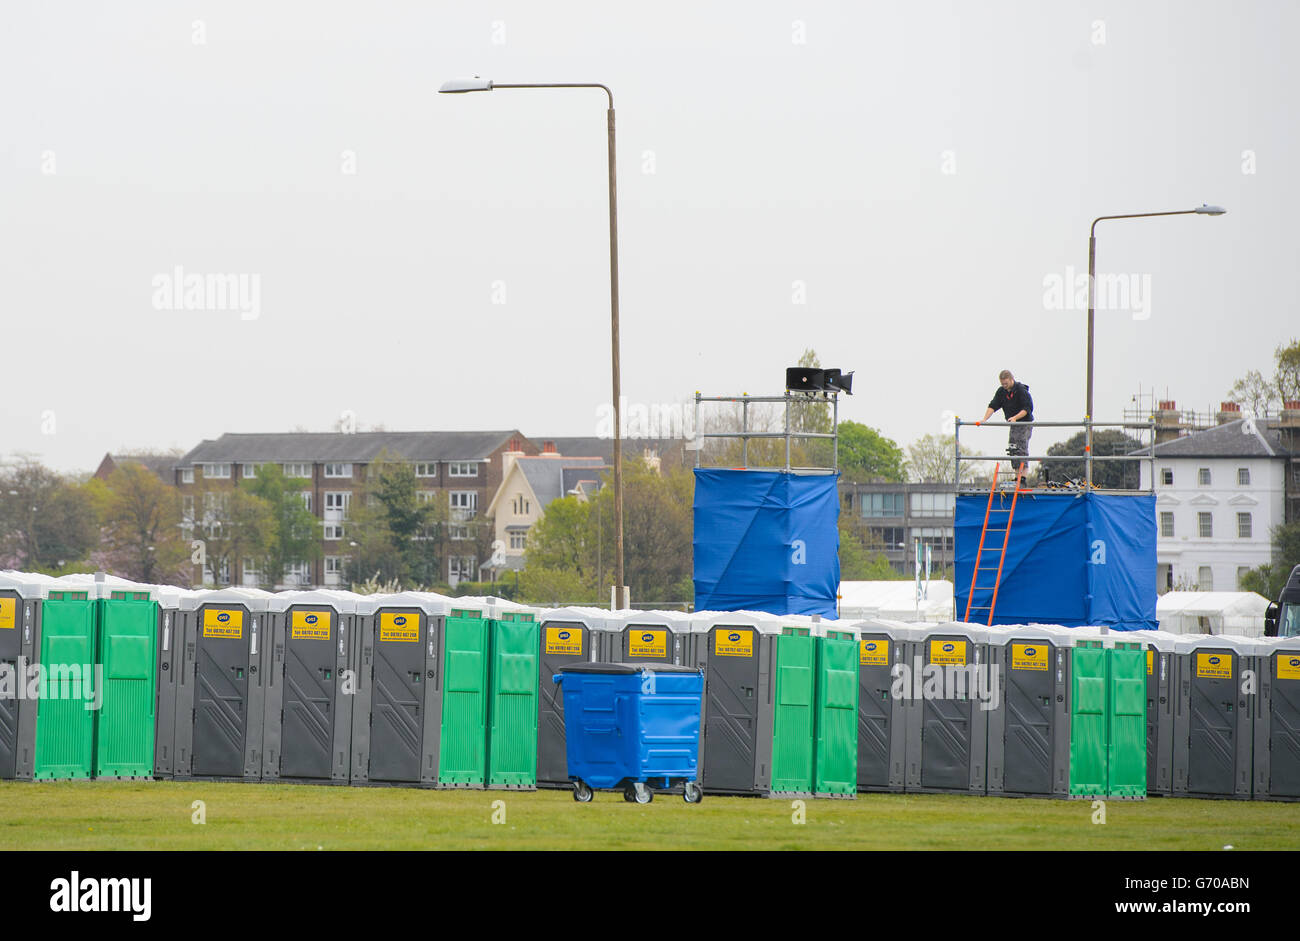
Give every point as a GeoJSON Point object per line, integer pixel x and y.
{"type": "Point", "coordinates": [157, 815]}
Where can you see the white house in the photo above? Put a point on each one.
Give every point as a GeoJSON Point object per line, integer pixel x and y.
{"type": "Point", "coordinates": [1219, 493]}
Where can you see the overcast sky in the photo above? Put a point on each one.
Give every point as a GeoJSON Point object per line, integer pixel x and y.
{"type": "Point", "coordinates": [915, 173]}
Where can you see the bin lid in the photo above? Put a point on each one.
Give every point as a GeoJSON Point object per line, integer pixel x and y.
{"type": "Point", "coordinates": [26, 584]}
{"type": "Point", "coordinates": [344, 602]}
{"type": "Point", "coordinates": [625, 668]}
{"type": "Point", "coordinates": [254, 599]}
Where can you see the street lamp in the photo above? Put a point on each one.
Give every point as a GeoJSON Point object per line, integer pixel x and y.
{"type": "Point", "coordinates": [462, 85]}
{"type": "Point", "coordinates": [1202, 210]}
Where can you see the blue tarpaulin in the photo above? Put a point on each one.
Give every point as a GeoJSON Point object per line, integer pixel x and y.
{"type": "Point", "coordinates": [766, 541]}
{"type": "Point", "coordinates": [1072, 560]}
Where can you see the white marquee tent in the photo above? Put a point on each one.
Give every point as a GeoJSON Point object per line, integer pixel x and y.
{"type": "Point", "coordinates": [896, 601]}
{"type": "Point", "coordinates": [1212, 612]}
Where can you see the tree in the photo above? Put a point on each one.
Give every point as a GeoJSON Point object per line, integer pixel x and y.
{"type": "Point", "coordinates": [865, 455]}
{"type": "Point", "coordinates": [1286, 375]}
{"type": "Point", "coordinates": [1269, 578]}
{"type": "Point", "coordinates": [861, 555]}
{"type": "Point", "coordinates": [232, 526]}
{"type": "Point", "coordinates": [140, 518]}
{"type": "Point", "coordinates": [397, 531]}
{"type": "Point", "coordinates": [296, 535]}
{"type": "Point", "coordinates": [1254, 393]}
{"type": "Point", "coordinates": [1108, 475]}
{"type": "Point", "coordinates": [1259, 394]}
{"type": "Point", "coordinates": [47, 523]}
{"type": "Point", "coordinates": [931, 460]}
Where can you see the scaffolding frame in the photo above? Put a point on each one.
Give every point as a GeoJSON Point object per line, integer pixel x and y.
{"type": "Point", "coordinates": [1088, 458]}
{"type": "Point", "coordinates": [789, 398]}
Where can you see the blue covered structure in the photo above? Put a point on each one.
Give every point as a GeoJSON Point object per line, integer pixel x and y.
{"type": "Point", "coordinates": [766, 541]}
{"type": "Point", "coordinates": [1073, 560]}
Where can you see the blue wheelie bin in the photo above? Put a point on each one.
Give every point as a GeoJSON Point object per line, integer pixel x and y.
{"type": "Point", "coordinates": [632, 726]}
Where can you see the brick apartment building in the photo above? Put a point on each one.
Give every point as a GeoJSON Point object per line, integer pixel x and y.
{"type": "Point", "coordinates": [466, 465]}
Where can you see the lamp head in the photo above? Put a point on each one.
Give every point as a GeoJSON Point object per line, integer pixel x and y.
{"type": "Point", "coordinates": [460, 85]}
{"type": "Point", "coordinates": [1204, 210]}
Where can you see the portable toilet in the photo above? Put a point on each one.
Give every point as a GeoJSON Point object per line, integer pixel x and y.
{"type": "Point", "coordinates": [1212, 718]}
{"type": "Point", "coordinates": [794, 719]}
{"type": "Point", "coordinates": [65, 719]}
{"type": "Point", "coordinates": [835, 756]}
{"type": "Point", "coordinates": [21, 597]}
{"type": "Point", "coordinates": [128, 621]}
{"type": "Point", "coordinates": [221, 698]}
{"type": "Point", "coordinates": [1162, 686]}
{"type": "Point", "coordinates": [946, 728]}
{"type": "Point", "coordinates": [310, 683]}
{"type": "Point", "coordinates": [881, 738]}
{"type": "Point", "coordinates": [565, 635]}
{"type": "Point", "coordinates": [513, 693]}
{"type": "Point", "coordinates": [1276, 754]}
{"type": "Point", "coordinates": [651, 637]}
{"type": "Point", "coordinates": [736, 650]}
{"type": "Point", "coordinates": [1029, 725]}
{"type": "Point", "coordinates": [421, 712]}
{"type": "Point", "coordinates": [170, 677]}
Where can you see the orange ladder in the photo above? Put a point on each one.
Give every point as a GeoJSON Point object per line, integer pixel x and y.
{"type": "Point", "coordinates": [1002, 554]}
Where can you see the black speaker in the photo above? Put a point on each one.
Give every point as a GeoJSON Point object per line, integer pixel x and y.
{"type": "Point", "coordinates": [835, 381]}
{"type": "Point", "coordinates": [799, 379]}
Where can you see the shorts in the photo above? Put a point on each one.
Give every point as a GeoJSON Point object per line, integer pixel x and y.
{"type": "Point", "coordinates": [1018, 441]}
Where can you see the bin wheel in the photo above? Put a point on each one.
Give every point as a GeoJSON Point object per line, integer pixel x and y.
{"type": "Point", "coordinates": [581, 793]}
{"type": "Point", "coordinates": [692, 793]}
{"type": "Point", "coordinates": [638, 793]}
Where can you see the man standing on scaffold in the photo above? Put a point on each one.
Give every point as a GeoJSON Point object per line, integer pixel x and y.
{"type": "Point", "coordinates": [1014, 400]}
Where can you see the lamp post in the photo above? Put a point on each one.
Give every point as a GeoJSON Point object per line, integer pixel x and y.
{"type": "Point", "coordinates": [1092, 279]}
{"type": "Point", "coordinates": [460, 86]}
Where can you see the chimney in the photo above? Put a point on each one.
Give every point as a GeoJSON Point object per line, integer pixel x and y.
{"type": "Point", "coordinates": [1228, 411]}
{"type": "Point", "coordinates": [548, 447]}
{"type": "Point", "coordinates": [1290, 417]}
{"type": "Point", "coordinates": [1167, 425]}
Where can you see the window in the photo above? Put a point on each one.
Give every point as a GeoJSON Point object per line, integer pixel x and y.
{"type": "Point", "coordinates": [251, 575]}
{"type": "Point", "coordinates": [457, 532]}
{"type": "Point", "coordinates": [938, 538]}
{"type": "Point", "coordinates": [933, 504]}
{"type": "Point", "coordinates": [298, 573]}
{"type": "Point", "coordinates": [847, 501]}
{"type": "Point", "coordinates": [463, 468]}
{"type": "Point", "coordinates": [306, 499]}
{"type": "Point", "coordinates": [464, 502]}
{"type": "Point", "coordinates": [187, 506]}
{"type": "Point", "coordinates": [297, 470]}
{"type": "Point", "coordinates": [882, 504]}
{"type": "Point", "coordinates": [338, 470]}
{"type": "Point", "coordinates": [1167, 524]}
{"type": "Point", "coordinates": [333, 531]}
{"type": "Point", "coordinates": [461, 568]}
{"type": "Point", "coordinates": [427, 470]}
{"type": "Point", "coordinates": [1167, 476]}
{"type": "Point", "coordinates": [1243, 476]}
{"type": "Point", "coordinates": [1203, 476]}
{"type": "Point", "coordinates": [1206, 523]}
{"type": "Point", "coordinates": [518, 540]}
{"type": "Point", "coordinates": [216, 471]}
{"type": "Point", "coordinates": [333, 565]}
{"type": "Point", "coordinates": [1205, 578]}
{"type": "Point", "coordinates": [426, 496]}
{"type": "Point", "coordinates": [248, 470]}
{"type": "Point", "coordinates": [520, 505]}
{"type": "Point", "coordinates": [187, 475]}
{"type": "Point", "coordinates": [337, 501]}
{"type": "Point", "coordinates": [891, 537]}
{"type": "Point", "coordinates": [1244, 526]}
{"type": "Point", "coordinates": [1242, 572]}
